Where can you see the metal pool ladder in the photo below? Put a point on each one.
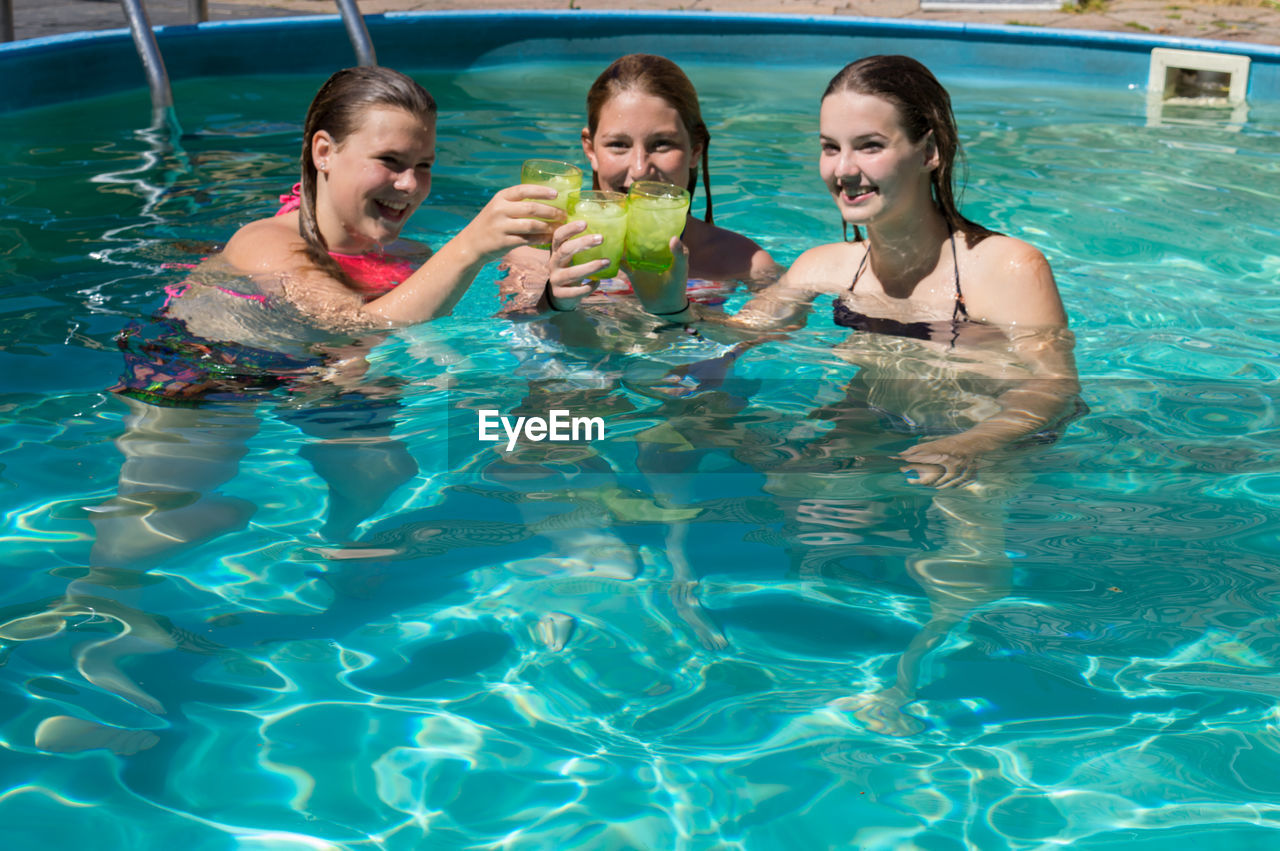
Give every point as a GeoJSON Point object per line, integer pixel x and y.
{"type": "Point", "coordinates": [144, 39]}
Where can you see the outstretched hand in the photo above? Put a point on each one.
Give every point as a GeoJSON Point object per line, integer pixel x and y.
{"type": "Point", "coordinates": [512, 218]}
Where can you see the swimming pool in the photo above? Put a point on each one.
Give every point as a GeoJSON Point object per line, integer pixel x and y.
{"type": "Point", "coordinates": [1101, 673]}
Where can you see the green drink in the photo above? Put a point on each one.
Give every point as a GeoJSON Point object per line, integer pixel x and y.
{"type": "Point", "coordinates": [606, 214]}
{"type": "Point", "coordinates": [655, 213]}
{"type": "Point", "coordinates": [562, 177]}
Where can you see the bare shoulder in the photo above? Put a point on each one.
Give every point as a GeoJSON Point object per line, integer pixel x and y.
{"type": "Point", "coordinates": [1008, 282]}
{"type": "Point", "coordinates": [761, 268]}
{"type": "Point", "coordinates": [272, 251]}
{"type": "Point", "coordinates": [729, 241]}
{"type": "Point", "coordinates": [825, 268]}
{"type": "Point", "coordinates": [266, 246]}
{"type": "Point", "coordinates": [718, 253]}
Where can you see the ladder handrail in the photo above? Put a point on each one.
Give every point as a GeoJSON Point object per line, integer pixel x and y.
{"type": "Point", "coordinates": [358, 32]}
{"type": "Point", "coordinates": [6, 20]}
{"type": "Point", "coordinates": [144, 39]}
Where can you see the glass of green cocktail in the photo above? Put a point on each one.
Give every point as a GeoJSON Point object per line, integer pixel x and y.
{"type": "Point", "coordinates": [606, 214]}
{"type": "Point", "coordinates": [655, 213]}
{"type": "Point", "coordinates": [562, 177]}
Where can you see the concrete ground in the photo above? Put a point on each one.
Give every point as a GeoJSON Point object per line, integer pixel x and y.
{"type": "Point", "coordinates": [1228, 20]}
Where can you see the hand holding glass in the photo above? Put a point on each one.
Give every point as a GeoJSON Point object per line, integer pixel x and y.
{"type": "Point", "coordinates": [656, 212]}
{"type": "Point", "coordinates": [605, 213]}
{"type": "Point", "coordinates": [560, 176]}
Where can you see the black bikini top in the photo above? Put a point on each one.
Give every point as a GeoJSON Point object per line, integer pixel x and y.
{"type": "Point", "coordinates": [847, 317]}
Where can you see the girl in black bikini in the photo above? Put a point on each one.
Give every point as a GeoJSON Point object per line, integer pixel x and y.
{"type": "Point", "coordinates": [964, 373]}
{"type": "Point", "coordinates": [888, 148]}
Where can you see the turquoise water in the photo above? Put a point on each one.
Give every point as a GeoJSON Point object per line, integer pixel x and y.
{"type": "Point", "coordinates": [1089, 643]}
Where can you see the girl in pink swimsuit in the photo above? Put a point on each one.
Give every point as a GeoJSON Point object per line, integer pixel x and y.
{"type": "Point", "coordinates": [292, 303]}
{"type": "Point", "coordinates": [330, 258]}
{"type": "Point", "coordinates": [369, 145]}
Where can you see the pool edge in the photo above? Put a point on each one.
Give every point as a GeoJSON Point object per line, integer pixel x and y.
{"type": "Point", "coordinates": [108, 58]}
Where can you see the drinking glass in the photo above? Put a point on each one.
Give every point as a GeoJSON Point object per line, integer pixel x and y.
{"type": "Point", "coordinates": [655, 213]}
{"type": "Point", "coordinates": [560, 176]}
{"type": "Point", "coordinates": [606, 214]}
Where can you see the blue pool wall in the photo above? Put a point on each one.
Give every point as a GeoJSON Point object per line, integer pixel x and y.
{"type": "Point", "coordinates": [84, 65]}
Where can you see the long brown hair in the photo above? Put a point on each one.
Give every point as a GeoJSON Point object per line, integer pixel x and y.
{"type": "Point", "coordinates": [338, 109]}
{"type": "Point", "coordinates": [923, 106]}
{"type": "Point", "coordinates": [662, 78]}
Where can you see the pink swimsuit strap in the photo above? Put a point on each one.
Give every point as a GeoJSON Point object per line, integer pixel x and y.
{"type": "Point", "coordinates": [376, 273]}
{"type": "Point", "coordinates": [291, 201]}
{"type": "Point", "coordinates": [179, 289]}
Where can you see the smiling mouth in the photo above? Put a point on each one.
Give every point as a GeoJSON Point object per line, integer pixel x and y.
{"type": "Point", "coordinates": [854, 194]}
{"type": "Point", "coordinates": [393, 210]}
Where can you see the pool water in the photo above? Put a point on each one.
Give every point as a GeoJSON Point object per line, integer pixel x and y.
{"type": "Point", "coordinates": [756, 654]}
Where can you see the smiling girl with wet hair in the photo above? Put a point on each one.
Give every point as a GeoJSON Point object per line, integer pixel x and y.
{"type": "Point", "coordinates": [294, 303]}
{"type": "Point", "coordinates": [887, 149]}
{"type": "Point", "coordinates": [924, 109]}
{"type": "Point", "coordinates": [368, 151]}
{"type": "Point", "coordinates": [644, 122]}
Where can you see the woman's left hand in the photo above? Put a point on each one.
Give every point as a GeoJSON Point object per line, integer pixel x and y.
{"type": "Point", "coordinates": [947, 462]}
{"type": "Point", "coordinates": [568, 283]}
{"type": "Point", "coordinates": [665, 293]}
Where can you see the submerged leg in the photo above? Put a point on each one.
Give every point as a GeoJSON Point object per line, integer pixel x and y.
{"type": "Point", "coordinates": [174, 459]}
{"type": "Point", "coordinates": [64, 734]}
{"type": "Point", "coordinates": [684, 592]}
{"type": "Point", "coordinates": [970, 571]}
{"type": "Point", "coordinates": [97, 664]}
{"type": "Point", "coordinates": [353, 451]}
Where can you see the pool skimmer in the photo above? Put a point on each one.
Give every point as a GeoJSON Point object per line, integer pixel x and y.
{"type": "Point", "coordinates": [1203, 81]}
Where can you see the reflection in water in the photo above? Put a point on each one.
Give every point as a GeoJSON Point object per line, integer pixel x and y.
{"type": "Point", "coordinates": [176, 459]}
{"type": "Point", "coordinates": [896, 652]}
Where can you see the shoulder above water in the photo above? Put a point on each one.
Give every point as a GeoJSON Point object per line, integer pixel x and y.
{"type": "Point", "coordinates": [1008, 282]}
{"type": "Point", "coordinates": [826, 268]}
{"type": "Point", "coordinates": [266, 246]}
{"type": "Point", "coordinates": [717, 253]}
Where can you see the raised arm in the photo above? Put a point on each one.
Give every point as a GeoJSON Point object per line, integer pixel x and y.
{"type": "Point", "coordinates": [272, 249]}
{"type": "Point", "coordinates": [510, 220]}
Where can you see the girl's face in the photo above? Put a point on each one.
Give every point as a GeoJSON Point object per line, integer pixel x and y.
{"type": "Point", "coordinates": [369, 185]}
{"type": "Point", "coordinates": [873, 170]}
{"type": "Point", "coordinates": [639, 137]}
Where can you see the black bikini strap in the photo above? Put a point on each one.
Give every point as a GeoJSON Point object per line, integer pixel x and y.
{"type": "Point", "coordinates": [959, 309]}
{"type": "Point", "coordinates": [861, 264]}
